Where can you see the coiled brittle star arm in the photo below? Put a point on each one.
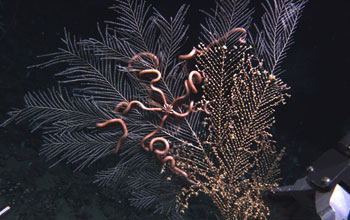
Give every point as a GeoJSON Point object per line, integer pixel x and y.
{"type": "Point", "coordinates": [161, 156]}
{"type": "Point", "coordinates": [197, 75]}
{"type": "Point", "coordinates": [153, 87]}
{"type": "Point", "coordinates": [232, 31]}
{"type": "Point", "coordinates": [113, 121]}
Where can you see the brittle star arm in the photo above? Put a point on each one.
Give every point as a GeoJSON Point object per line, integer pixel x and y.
{"type": "Point", "coordinates": [144, 139]}
{"type": "Point", "coordinates": [195, 51]}
{"type": "Point", "coordinates": [205, 108]}
{"type": "Point", "coordinates": [149, 71]}
{"type": "Point", "coordinates": [182, 115]}
{"type": "Point", "coordinates": [155, 61]}
{"type": "Point", "coordinates": [122, 123]}
{"type": "Point", "coordinates": [232, 31]}
{"type": "Point", "coordinates": [184, 96]}
{"type": "Point", "coordinates": [148, 148]}
{"type": "Point", "coordinates": [189, 85]}
{"type": "Point", "coordinates": [145, 54]}
{"type": "Point", "coordinates": [190, 55]}
{"type": "Point", "coordinates": [197, 77]}
{"type": "Point", "coordinates": [178, 170]}
{"type": "Point", "coordinates": [159, 153]}
{"type": "Point", "coordinates": [128, 105]}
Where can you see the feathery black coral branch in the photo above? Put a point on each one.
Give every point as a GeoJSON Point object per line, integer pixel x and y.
{"type": "Point", "coordinates": [278, 25]}
{"type": "Point", "coordinates": [131, 93]}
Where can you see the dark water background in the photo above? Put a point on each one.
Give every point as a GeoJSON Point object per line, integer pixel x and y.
{"type": "Point", "coordinates": [317, 115]}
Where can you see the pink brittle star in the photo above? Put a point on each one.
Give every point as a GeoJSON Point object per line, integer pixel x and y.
{"type": "Point", "coordinates": [194, 77]}
{"type": "Point", "coordinates": [168, 109]}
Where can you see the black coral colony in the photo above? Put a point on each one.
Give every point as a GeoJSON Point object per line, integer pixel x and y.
{"type": "Point", "coordinates": [180, 123]}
